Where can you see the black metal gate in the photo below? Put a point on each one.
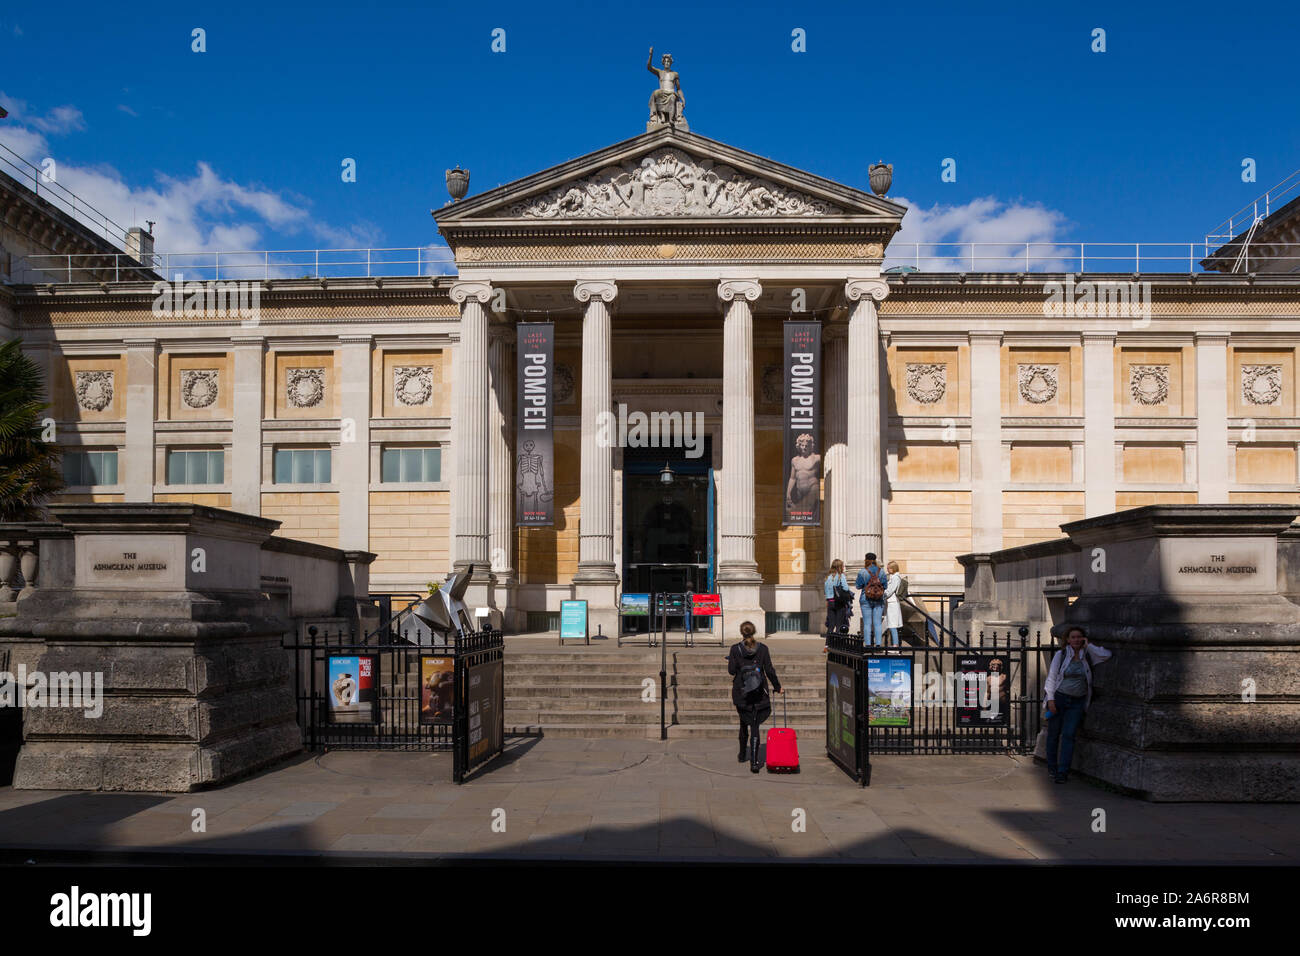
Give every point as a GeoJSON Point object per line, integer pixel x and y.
{"type": "Point", "coordinates": [473, 733]}
{"type": "Point", "coordinates": [948, 696]}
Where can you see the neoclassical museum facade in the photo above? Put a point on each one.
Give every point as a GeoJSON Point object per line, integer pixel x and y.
{"type": "Point", "coordinates": [959, 411]}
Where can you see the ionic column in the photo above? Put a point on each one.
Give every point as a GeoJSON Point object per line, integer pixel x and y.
{"type": "Point", "coordinates": [838, 478]}
{"type": "Point", "coordinates": [596, 580]}
{"type": "Point", "coordinates": [501, 489]}
{"type": "Point", "coordinates": [1098, 423]}
{"type": "Point", "coordinates": [738, 577]}
{"type": "Point", "coordinates": [246, 431]}
{"type": "Point", "coordinates": [471, 483]}
{"type": "Point", "coordinates": [1212, 417]}
{"type": "Point", "coordinates": [137, 475]}
{"type": "Point", "coordinates": [986, 441]}
{"type": "Point", "coordinates": [596, 527]}
{"type": "Point", "coordinates": [862, 419]}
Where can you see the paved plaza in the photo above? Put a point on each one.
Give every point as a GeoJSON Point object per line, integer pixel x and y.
{"type": "Point", "coordinates": [683, 800]}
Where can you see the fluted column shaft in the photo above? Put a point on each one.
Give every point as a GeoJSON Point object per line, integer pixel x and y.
{"type": "Point", "coordinates": [470, 490]}
{"type": "Point", "coordinates": [596, 526]}
{"type": "Point", "coordinates": [736, 503]}
{"type": "Point", "coordinates": [501, 518]}
{"type": "Point", "coordinates": [862, 417]}
{"type": "Point", "coordinates": [837, 476]}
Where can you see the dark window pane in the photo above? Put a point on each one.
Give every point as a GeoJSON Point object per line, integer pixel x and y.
{"type": "Point", "coordinates": [283, 466]}
{"type": "Point", "coordinates": [110, 468]}
{"type": "Point", "coordinates": [216, 467]}
{"type": "Point", "coordinates": [432, 464]}
{"type": "Point", "coordinates": [176, 468]}
{"type": "Point", "coordinates": [391, 464]}
{"type": "Point", "coordinates": [411, 464]}
{"type": "Point", "coordinates": [323, 467]}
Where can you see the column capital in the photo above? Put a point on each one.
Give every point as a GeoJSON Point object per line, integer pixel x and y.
{"type": "Point", "coordinates": [248, 341]}
{"type": "Point", "coordinates": [728, 289]}
{"type": "Point", "coordinates": [985, 336]}
{"type": "Point", "coordinates": [140, 343]}
{"type": "Point", "coordinates": [355, 338]}
{"type": "Point", "coordinates": [1100, 337]}
{"type": "Point", "coordinates": [603, 289]}
{"type": "Point", "coordinates": [1217, 337]}
{"type": "Point", "coordinates": [855, 289]}
{"type": "Point", "coordinates": [463, 291]}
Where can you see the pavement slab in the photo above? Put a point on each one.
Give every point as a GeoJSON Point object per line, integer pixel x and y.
{"type": "Point", "coordinates": [679, 800]}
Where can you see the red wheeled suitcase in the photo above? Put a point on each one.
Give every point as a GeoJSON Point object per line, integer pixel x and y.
{"type": "Point", "coordinates": [783, 746]}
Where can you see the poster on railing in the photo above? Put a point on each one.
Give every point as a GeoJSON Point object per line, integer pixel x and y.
{"type": "Point", "coordinates": [801, 424]}
{"type": "Point", "coordinates": [437, 689]}
{"type": "Point", "coordinates": [352, 684]}
{"type": "Point", "coordinates": [534, 440]}
{"type": "Point", "coordinates": [485, 688]}
{"type": "Point", "coordinates": [889, 691]}
{"type": "Point", "coordinates": [634, 605]}
{"type": "Point", "coordinates": [982, 690]}
{"type": "Point", "coordinates": [841, 718]}
{"type": "Point", "coordinates": [706, 605]}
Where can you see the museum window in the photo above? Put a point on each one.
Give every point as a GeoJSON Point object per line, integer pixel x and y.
{"type": "Point", "coordinates": [84, 468]}
{"type": "Point", "coordinates": [302, 466]}
{"type": "Point", "coordinates": [196, 467]}
{"type": "Point", "coordinates": [412, 465]}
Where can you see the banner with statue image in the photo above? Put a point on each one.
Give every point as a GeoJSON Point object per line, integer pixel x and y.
{"type": "Point", "coordinates": [535, 423]}
{"type": "Point", "coordinates": [801, 424]}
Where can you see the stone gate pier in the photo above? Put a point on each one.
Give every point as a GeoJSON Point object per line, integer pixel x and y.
{"type": "Point", "coordinates": [178, 612]}
{"type": "Point", "coordinates": [1198, 602]}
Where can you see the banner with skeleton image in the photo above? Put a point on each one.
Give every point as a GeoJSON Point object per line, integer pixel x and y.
{"type": "Point", "coordinates": [534, 427]}
{"type": "Point", "coordinates": [801, 424]}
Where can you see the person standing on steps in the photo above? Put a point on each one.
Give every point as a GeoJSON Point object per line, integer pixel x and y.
{"type": "Point", "coordinates": [750, 665]}
{"type": "Point", "coordinates": [894, 590]}
{"type": "Point", "coordinates": [839, 600]}
{"type": "Point", "coordinates": [871, 583]}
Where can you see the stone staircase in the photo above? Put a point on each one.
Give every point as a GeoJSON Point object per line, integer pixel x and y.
{"type": "Point", "coordinates": [598, 691]}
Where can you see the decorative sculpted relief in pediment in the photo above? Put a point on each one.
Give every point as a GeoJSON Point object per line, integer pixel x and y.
{"type": "Point", "coordinates": [669, 182]}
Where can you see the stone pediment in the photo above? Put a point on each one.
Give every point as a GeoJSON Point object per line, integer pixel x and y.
{"type": "Point", "coordinates": [669, 182]}
{"type": "Point", "coordinates": [669, 174]}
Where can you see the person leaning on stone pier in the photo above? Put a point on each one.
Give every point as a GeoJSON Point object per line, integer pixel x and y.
{"type": "Point", "coordinates": [1068, 693]}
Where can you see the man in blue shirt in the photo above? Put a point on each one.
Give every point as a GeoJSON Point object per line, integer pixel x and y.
{"type": "Point", "coordinates": [871, 583]}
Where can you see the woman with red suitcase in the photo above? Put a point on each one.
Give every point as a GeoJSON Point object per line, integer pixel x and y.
{"type": "Point", "coordinates": [750, 665]}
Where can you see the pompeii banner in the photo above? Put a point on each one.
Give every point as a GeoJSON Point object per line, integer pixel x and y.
{"type": "Point", "coordinates": [802, 423]}
{"type": "Point", "coordinates": [534, 435]}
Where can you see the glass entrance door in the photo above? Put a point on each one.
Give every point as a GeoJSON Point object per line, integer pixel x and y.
{"type": "Point", "coordinates": [667, 526]}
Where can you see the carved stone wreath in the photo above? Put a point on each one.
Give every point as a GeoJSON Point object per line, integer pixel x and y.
{"type": "Point", "coordinates": [1261, 384]}
{"type": "Point", "coordinates": [771, 391]}
{"type": "Point", "coordinates": [95, 390]}
{"type": "Point", "coordinates": [669, 183]}
{"type": "Point", "coordinates": [198, 387]}
{"type": "Point", "coordinates": [412, 384]}
{"type": "Point", "coordinates": [305, 387]}
{"type": "Point", "coordinates": [927, 382]}
{"type": "Point", "coordinates": [1149, 384]}
{"type": "Point", "coordinates": [1038, 383]}
{"type": "Point", "coordinates": [564, 386]}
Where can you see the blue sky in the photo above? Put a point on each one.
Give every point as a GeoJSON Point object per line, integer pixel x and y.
{"type": "Point", "coordinates": [241, 146]}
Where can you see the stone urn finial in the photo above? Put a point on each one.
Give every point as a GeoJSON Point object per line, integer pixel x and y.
{"type": "Point", "coordinates": [882, 177]}
{"type": "Point", "coordinates": [457, 182]}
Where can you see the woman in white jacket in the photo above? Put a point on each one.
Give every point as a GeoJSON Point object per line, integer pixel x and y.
{"type": "Point", "coordinates": [893, 609]}
{"type": "Point", "coordinates": [1068, 693]}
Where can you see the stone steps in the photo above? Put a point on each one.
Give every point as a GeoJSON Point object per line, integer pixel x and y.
{"type": "Point", "coordinates": [585, 692]}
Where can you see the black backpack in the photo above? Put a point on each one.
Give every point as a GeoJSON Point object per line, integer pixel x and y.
{"type": "Point", "coordinates": [751, 676]}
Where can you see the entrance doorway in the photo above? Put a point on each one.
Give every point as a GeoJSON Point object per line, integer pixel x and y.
{"type": "Point", "coordinates": [668, 521]}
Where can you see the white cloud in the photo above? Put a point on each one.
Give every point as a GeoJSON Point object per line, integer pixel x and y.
{"type": "Point", "coordinates": [127, 110]}
{"type": "Point", "coordinates": [202, 212]}
{"type": "Point", "coordinates": [994, 231]}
